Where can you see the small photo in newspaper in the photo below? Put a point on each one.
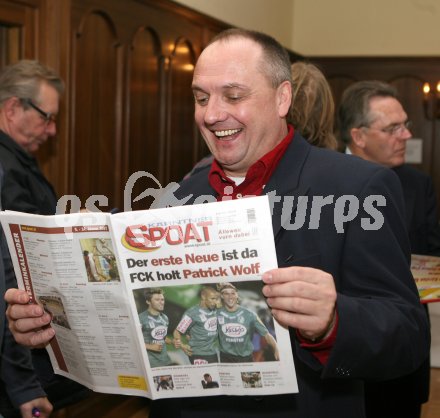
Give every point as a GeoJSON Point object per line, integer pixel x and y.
{"type": "Point", "coordinates": [227, 322]}
{"type": "Point", "coordinates": [54, 305]}
{"type": "Point", "coordinates": [99, 260]}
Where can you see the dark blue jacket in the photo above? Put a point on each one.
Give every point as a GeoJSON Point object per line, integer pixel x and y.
{"type": "Point", "coordinates": [383, 332]}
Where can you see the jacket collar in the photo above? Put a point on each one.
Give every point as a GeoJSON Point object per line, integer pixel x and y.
{"type": "Point", "coordinates": [286, 180]}
{"type": "Point", "coordinates": [24, 157]}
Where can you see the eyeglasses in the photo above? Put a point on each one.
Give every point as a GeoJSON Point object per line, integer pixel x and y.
{"type": "Point", "coordinates": [395, 129]}
{"type": "Point", "coordinates": [47, 116]}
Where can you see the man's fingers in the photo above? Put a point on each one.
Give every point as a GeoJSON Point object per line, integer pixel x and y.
{"type": "Point", "coordinates": [13, 296]}
{"type": "Point", "coordinates": [17, 312]}
{"type": "Point", "coordinates": [35, 339]}
{"type": "Point", "coordinates": [289, 274]}
{"type": "Point", "coordinates": [291, 289]}
{"type": "Point", "coordinates": [292, 304]}
{"type": "Point", "coordinates": [30, 324]}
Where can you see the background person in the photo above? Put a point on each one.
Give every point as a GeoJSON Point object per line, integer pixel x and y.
{"type": "Point", "coordinates": [29, 103]}
{"type": "Point", "coordinates": [313, 108]}
{"type": "Point", "coordinates": [199, 324]}
{"type": "Point", "coordinates": [375, 127]}
{"type": "Point", "coordinates": [18, 377]}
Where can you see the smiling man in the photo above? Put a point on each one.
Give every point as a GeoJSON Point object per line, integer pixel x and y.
{"type": "Point", "coordinates": [347, 297]}
{"type": "Point", "coordinates": [375, 127]}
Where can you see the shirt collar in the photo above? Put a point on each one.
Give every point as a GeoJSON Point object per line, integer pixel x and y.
{"type": "Point", "coordinates": [256, 177]}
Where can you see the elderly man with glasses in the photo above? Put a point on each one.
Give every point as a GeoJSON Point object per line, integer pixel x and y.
{"type": "Point", "coordinates": [375, 127]}
{"type": "Point", "coordinates": [29, 102]}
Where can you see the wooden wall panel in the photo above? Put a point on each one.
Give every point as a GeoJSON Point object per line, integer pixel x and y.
{"type": "Point", "coordinates": [95, 153]}
{"type": "Point", "coordinates": [154, 47]}
{"type": "Point", "coordinates": [182, 138]}
{"type": "Point", "coordinates": [128, 106]}
{"type": "Point", "coordinates": [144, 147]}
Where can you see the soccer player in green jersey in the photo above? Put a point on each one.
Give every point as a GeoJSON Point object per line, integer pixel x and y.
{"type": "Point", "coordinates": [237, 326]}
{"type": "Point", "coordinates": [199, 324]}
{"type": "Point", "coordinates": [155, 328]}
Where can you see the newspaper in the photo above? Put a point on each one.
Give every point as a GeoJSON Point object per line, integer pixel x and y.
{"type": "Point", "coordinates": [426, 272]}
{"type": "Point", "coordinates": [206, 324]}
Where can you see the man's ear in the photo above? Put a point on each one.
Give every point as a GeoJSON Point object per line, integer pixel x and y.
{"type": "Point", "coordinates": [10, 106]}
{"type": "Point", "coordinates": [358, 137]}
{"type": "Point", "coordinates": [284, 98]}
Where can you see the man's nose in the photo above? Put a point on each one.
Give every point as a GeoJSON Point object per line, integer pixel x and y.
{"type": "Point", "coordinates": [406, 134]}
{"type": "Point", "coordinates": [51, 128]}
{"type": "Point", "coordinates": [214, 111]}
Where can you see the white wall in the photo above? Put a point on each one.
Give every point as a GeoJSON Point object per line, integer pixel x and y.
{"type": "Point", "coordinates": [337, 27]}
{"type": "Point", "coordinates": [274, 17]}
{"type": "Point", "coordinates": [366, 27]}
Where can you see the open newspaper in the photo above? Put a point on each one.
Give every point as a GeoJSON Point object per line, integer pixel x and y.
{"type": "Point", "coordinates": [426, 272]}
{"type": "Point", "coordinates": [159, 303]}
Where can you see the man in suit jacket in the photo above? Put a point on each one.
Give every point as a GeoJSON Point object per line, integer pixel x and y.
{"type": "Point", "coordinates": [29, 101]}
{"type": "Point", "coordinates": [343, 288]}
{"type": "Point", "coordinates": [375, 127]}
{"type": "Point", "coordinates": [16, 371]}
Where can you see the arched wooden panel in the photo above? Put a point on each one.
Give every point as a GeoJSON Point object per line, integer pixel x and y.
{"type": "Point", "coordinates": [145, 143]}
{"type": "Point", "coordinates": [183, 140]}
{"type": "Point", "coordinates": [96, 156]}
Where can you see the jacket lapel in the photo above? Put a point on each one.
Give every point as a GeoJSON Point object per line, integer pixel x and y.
{"type": "Point", "coordinates": [286, 181]}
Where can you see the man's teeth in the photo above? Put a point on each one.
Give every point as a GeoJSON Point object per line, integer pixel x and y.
{"type": "Point", "coordinates": [226, 133]}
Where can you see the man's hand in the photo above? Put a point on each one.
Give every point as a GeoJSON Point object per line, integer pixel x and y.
{"type": "Point", "coordinates": [43, 405]}
{"type": "Point", "coordinates": [303, 298]}
{"type": "Point", "coordinates": [187, 350]}
{"type": "Point", "coordinates": [157, 348]}
{"type": "Point", "coordinates": [29, 323]}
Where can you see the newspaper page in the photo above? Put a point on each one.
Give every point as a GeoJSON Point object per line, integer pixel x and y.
{"type": "Point", "coordinates": [159, 303]}
{"type": "Point", "coordinates": [68, 265]}
{"type": "Point", "coordinates": [426, 272]}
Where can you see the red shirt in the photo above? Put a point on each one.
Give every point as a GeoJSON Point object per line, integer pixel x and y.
{"type": "Point", "coordinates": [256, 177]}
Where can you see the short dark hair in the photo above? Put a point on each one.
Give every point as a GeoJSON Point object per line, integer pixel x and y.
{"type": "Point", "coordinates": [148, 293]}
{"type": "Point", "coordinates": [354, 110]}
{"type": "Point", "coordinates": [275, 63]}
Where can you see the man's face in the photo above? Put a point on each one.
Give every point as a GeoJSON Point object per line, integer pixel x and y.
{"type": "Point", "coordinates": [230, 298]}
{"type": "Point", "coordinates": [157, 302]}
{"type": "Point", "coordinates": [380, 143]}
{"type": "Point", "coordinates": [30, 130]}
{"type": "Point", "coordinates": [210, 300]}
{"type": "Point", "coordinates": [238, 112]}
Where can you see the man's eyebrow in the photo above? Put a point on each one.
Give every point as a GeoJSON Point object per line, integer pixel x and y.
{"type": "Point", "coordinates": [227, 86]}
{"type": "Point", "coordinates": [195, 88]}
{"type": "Point", "coordinates": [234, 86]}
